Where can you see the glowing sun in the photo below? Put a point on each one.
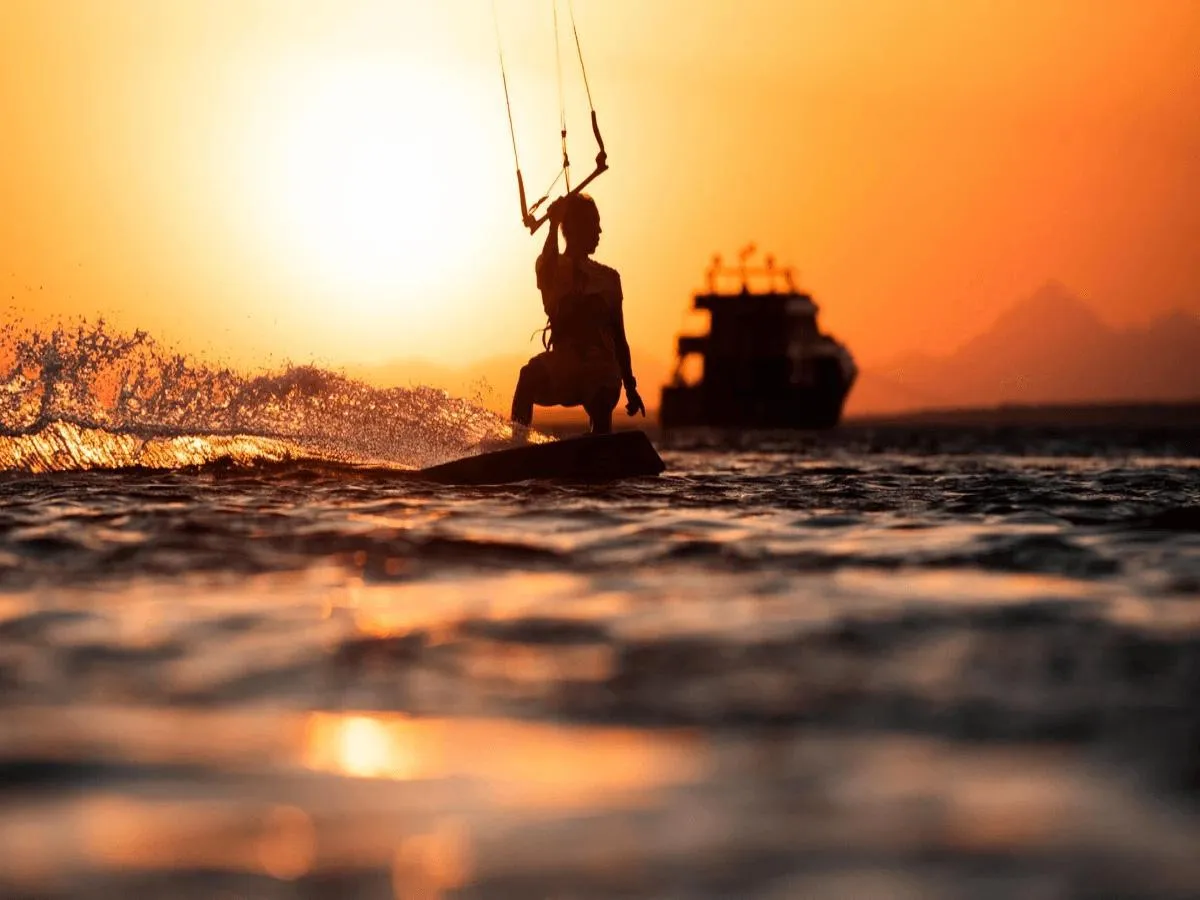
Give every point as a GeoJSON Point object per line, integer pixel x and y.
{"type": "Point", "coordinates": [376, 168]}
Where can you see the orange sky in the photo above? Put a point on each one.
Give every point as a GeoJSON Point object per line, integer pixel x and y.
{"type": "Point", "coordinates": [331, 180]}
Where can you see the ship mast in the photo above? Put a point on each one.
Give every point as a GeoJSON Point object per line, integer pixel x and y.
{"type": "Point", "coordinates": [743, 271]}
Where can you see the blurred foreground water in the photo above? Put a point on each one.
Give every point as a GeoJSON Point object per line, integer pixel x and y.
{"type": "Point", "coordinates": [244, 653]}
{"type": "Point", "coordinates": [823, 670]}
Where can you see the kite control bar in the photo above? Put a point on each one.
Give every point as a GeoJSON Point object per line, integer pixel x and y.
{"type": "Point", "coordinates": [528, 215]}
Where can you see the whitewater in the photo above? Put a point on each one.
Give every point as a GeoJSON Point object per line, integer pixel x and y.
{"type": "Point", "coordinates": [91, 397]}
{"type": "Point", "coordinates": [243, 652]}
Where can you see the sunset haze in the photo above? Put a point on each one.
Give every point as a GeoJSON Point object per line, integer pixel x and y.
{"type": "Point", "coordinates": [333, 181]}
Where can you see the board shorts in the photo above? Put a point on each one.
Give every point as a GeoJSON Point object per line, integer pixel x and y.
{"type": "Point", "coordinates": [565, 376]}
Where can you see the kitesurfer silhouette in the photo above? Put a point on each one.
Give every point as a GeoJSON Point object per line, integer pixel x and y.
{"type": "Point", "coordinates": [587, 359]}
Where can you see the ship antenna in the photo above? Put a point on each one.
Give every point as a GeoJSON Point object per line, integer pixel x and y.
{"type": "Point", "coordinates": [743, 256]}
{"type": "Point", "coordinates": [713, 271]}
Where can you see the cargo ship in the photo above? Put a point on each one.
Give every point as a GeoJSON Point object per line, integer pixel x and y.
{"type": "Point", "coordinates": [764, 363]}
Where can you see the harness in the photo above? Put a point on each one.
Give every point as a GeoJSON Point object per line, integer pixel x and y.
{"type": "Point", "coordinates": [583, 322]}
{"type": "Point", "coordinates": [582, 319]}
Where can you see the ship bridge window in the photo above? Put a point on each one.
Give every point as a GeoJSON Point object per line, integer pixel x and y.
{"type": "Point", "coordinates": [696, 321]}
{"type": "Point", "coordinates": [690, 371]}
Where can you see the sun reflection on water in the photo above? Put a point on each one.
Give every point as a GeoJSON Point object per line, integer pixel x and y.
{"type": "Point", "coordinates": [517, 764]}
{"type": "Point", "coordinates": [360, 746]}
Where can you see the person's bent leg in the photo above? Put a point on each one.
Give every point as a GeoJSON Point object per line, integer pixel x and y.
{"type": "Point", "coordinates": [600, 411]}
{"type": "Point", "coordinates": [601, 421]}
{"type": "Point", "coordinates": [523, 396]}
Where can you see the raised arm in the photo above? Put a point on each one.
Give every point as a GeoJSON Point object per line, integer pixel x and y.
{"type": "Point", "coordinates": [547, 261]}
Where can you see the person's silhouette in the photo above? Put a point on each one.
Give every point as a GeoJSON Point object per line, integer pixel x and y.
{"type": "Point", "coordinates": [587, 359]}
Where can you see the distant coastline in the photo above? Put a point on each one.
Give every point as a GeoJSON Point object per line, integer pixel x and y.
{"type": "Point", "coordinates": [1149, 414]}
{"type": "Point", "coordinates": [1166, 416]}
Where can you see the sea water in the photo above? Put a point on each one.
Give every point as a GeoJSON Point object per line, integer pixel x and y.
{"type": "Point", "coordinates": [243, 653]}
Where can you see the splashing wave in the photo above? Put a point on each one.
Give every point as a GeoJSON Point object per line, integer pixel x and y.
{"type": "Point", "coordinates": [92, 397]}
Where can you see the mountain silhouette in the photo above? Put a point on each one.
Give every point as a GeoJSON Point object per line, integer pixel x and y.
{"type": "Point", "coordinates": [1048, 348]}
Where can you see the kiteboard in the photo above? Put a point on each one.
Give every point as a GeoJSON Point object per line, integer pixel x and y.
{"type": "Point", "coordinates": [598, 457]}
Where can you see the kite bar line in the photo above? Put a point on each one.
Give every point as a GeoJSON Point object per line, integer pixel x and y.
{"type": "Point", "coordinates": [529, 216]}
